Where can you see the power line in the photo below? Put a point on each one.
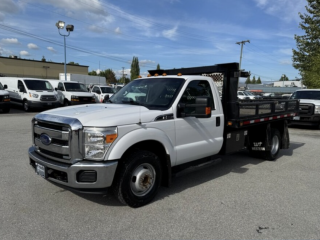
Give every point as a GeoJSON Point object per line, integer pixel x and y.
{"type": "Point", "coordinates": [7, 28]}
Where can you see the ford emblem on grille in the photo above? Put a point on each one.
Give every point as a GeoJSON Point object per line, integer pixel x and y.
{"type": "Point", "coordinates": [45, 139]}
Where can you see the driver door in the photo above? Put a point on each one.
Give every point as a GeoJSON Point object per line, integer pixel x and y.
{"type": "Point", "coordinates": [198, 137]}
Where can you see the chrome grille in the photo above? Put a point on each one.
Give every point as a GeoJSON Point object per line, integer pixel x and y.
{"type": "Point", "coordinates": [306, 109]}
{"type": "Point", "coordinates": [59, 143]}
{"type": "Point", "coordinates": [60, 140]}
{"type": "Point", "coordinates": [48, 98]}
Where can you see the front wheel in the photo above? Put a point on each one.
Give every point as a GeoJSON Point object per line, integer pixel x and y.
{"type": "Point", "coordinates": [275, 145]}
{"type": "Point", "coordinates": [26, 106]}
{"type": "Point", "coordinates": [6, 110]}
{"type": "Point", "coordinates": [138, 179]}
{"type": "Point", "coordinates": [66, 103]}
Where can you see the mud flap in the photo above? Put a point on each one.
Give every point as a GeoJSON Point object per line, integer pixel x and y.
{"type": "Point", "coordinates": [285, 136]}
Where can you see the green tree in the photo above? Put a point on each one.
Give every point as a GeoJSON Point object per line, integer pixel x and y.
{"type": "Point", "coordinates": [258, 81]}
{"type": "Point", "coordinates": [311, 77]}
{"type": "Point", "coordinates": [284, 78]}
{"type": "Point", "coordinates": [253, 80]}
{"type": "Point", "coordinates": [307, 55]}
{"type": "Point", "coordinates": [109, 75]}
{"type": "Point", "coordinates": [158, 67]}
{"type": "Point", "coordinates": [135, 69]}
{"type": "Point", "coordinates": [73, 63]}
{"type": "Point", "coordinates": [248, 81]}
{"type": "Point", "coordinates": [93, 73]}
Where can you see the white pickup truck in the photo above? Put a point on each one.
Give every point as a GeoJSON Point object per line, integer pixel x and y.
{"type": "Point", "coordinates": [150, 129]}
{"type": "Point", "coordinates": [309, 107]}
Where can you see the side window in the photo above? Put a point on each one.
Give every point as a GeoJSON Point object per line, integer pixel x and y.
{"type": "Point", "coordinates": [20, 86]}
{"type": "Point", "coordinates": [198, 88]}
{"type": "Point", "coordinates": [60, 87]}
{"type": "Point", "coordinates": [95, 89]}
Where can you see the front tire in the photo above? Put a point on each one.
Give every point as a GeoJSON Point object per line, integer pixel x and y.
{"type": "Point", "coordinates": [138, 179]}
{"type": "Point", "coordinates": [6, 110]}
{"type": "Point", "coordinates": [275, 145]}
{"type": "Point", "coordinates": [26, 107]}
{"type": "Point", "coordinates": [66, 103]}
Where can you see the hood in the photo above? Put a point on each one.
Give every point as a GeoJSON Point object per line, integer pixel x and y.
{"type": "Point", "coordinates": [104, 115]}
{"type": "Point", "coordinates": [4, 92]}
{"type": "Point", "coordinates": [313, 101]}
{"type": "Point", "coordinates": [81, 94]}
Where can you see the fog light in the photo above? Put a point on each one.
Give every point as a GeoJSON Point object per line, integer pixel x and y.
{"type": "Point", "coordinates": [87, 176]}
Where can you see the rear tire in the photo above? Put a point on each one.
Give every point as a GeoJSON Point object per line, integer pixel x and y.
{"type": "Point", "coordinates": [275, 145]}
{"type": "Point", "coordinates": [138, 179]}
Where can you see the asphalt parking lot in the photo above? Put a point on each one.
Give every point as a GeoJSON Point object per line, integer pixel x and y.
{"type": "Point", "coordinates": [239, 197]}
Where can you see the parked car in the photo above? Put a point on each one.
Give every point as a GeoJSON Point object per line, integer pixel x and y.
{"type": "Point", "coordinates": [4, 99]}
{"type": "Point", "coordinates": [72, 93]}
{"type": "Point", "coordinates": [31, 92]}
{"type": "Point", "coordinates": [242, 96]}
{"type": "Point", "coordinates": [102, 92]}
{"type": "Point", "coordinates": [309, 107]}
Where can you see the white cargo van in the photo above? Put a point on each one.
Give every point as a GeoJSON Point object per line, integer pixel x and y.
{"type": "Point", "coordinates": [4, 99]}
{"type": "Point", "coordinates": [31, 92]}
{"type": "Point", "coordinates": [72, 93]}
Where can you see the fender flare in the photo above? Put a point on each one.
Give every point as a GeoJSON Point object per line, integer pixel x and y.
{"type": "Point", "coordinates": [139, 135]}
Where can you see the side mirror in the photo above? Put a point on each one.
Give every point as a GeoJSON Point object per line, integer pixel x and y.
{"type": "Point", "coordinates": [21, 89]}
{"type": "Point", "coordinates": [5, 86]}
{"type": "Point", "coordinates": [98, 92]}
{"type": "Point", "coordinates": [56, 89]}
{"type": "Point", "coordinates": [200, 109]}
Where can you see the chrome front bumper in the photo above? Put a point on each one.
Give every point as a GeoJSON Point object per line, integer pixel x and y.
{"type": "Point", "coordinates": [105, 172]}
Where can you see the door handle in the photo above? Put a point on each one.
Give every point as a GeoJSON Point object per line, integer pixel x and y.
{"type": "Point", "coordinates": [218, 122]}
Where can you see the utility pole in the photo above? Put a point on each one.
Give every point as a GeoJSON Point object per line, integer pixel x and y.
{"type": "Point", "coordinates": [123, 74]}
{"type": "Point", "coordinates": [241, 43]}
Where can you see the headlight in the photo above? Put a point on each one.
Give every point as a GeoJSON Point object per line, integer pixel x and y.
{"type": "Point", "coordinates": [317, 109]}
{"type": "Point", "coordinates": [97, 141]}
{"type": "Point", "coordinates": [74, 98]}
{"type": "Point", "coordinates": [6, 96]}
{"type": "Point", "coordinates": [34, 95]}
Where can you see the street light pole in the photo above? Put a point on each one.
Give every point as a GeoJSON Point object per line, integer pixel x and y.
{"type": "Point", "coordinates": [242, 43]}
{"type": "Point", "coordinates": [69, 28]}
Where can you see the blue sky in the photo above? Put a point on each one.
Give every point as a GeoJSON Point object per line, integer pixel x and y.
{"type": "Point", "coordinates": [172, 33]}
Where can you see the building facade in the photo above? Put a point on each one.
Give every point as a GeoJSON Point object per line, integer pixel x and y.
{"type": "Point", "coordinates": [17, 67]}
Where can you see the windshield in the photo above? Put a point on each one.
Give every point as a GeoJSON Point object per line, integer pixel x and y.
{"type": "Point", "coordinates": [75, 87]}
{"type": "Point", "coordinates": [249, 93]}
{"type": "Point", "coordinates": [107, 90]}
{"type": "Point", "coordinates": [1, 87]}
{"type": "Point", "coordinates": [38, 85]}
{"type": "Point", "coordinates": [306, 95]}
{"type": "Point", "coordinates": [152, 93]}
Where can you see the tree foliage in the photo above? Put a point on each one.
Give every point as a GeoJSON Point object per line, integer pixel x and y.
{"type": "Point", "coordinates": [135, 69]}
{"type": "Point", "coordinates": [253, 81]}
{"type": "Point", "coordinates": [93, 73]}
{"type": "Point", "coordinates": [258, 81]}
{"type": "Point", "coordinates": [109, 75]}
{"type": "Point", "coordinates": [158, 67]}
{"type": "Point", "coordinates": [248, 81]}
{"type": "Point", "coordinates": [73, 63]}
{"type": "Point", "coordinates": [284, 78]}
{"type": "Point", "coordinates": [306, 57]}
